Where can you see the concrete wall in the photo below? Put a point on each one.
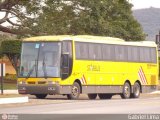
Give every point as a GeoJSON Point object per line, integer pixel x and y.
{"type": "Point", "coordinates": [9, 68]}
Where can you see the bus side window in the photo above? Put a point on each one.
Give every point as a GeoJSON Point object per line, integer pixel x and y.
{"type": "Point", "coordinates": [153, 55]}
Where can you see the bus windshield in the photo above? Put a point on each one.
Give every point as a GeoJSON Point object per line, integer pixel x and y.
{"type": "Point", "coordinates": [40, 59]}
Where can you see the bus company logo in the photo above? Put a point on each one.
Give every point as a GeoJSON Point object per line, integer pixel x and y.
{"type": "Point", "coordinates": [9, 117]}
{"type": "Point", "coordinates": [4, 116]}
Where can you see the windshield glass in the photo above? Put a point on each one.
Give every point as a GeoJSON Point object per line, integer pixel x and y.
{"type": "Point", "coordinates": [40, 59]}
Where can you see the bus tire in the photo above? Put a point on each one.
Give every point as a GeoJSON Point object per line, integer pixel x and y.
{"type": "Point", "coordinates": [92, 96]}
{"type": "Point", "coordinates": [75, 92]}
{"type": "Point", "coordinates": [41, 96]}
{"type": "Point", "coordinates": [136, 90]}
{"type": "Point", "coordinates": [105, 96]}
{"type": "Point", "coordinates": [126, 91]}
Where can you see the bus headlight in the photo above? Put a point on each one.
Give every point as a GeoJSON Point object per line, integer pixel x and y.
{"type": "Point", "coordinates": [22, 82]}
{"type": "Point", "coordinates": [51, 82]}
{"type": "Point", "coordinates": [57, 82]}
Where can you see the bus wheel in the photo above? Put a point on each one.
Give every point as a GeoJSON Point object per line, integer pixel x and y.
{"type": "Point", "coordinates": [105, 96]}
{"type": "Point", "coordinates": [92, 96]}
{"type": "Point", "coordinates": [75, 92]}
{"type": "Point", "coordinates": [126, 91]}
{"type": "Point", "coordinates": [136, 90]}
{"type": "Point", "coordinates": [41, 96]}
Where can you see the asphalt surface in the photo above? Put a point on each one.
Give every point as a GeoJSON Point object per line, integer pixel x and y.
{"type": "Point", "coordinates": [146, 104]}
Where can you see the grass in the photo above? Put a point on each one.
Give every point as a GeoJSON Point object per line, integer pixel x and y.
{"type": "Point", "coordinates": [9, 86]}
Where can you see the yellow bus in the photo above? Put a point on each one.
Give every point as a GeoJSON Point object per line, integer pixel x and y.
{"type": "Point", "coordinates": [83, 64]}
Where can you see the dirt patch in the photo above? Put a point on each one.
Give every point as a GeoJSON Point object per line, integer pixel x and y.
{"type": "Point", "coordinates": [11, 95]}
{"type": "Point", "coordinates": [10, 81]}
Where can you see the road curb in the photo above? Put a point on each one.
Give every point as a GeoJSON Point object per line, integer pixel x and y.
{"type": "Point", "coordinates": [10, 91]}
{"type": "Point", "coordinates": [14, 100]}
{"type": "Point", "coordinates": [155, 92]}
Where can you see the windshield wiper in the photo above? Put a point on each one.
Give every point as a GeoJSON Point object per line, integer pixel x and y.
{"type": "Point", "coordinates": [44, 69]}
{"type": "Point", "coordinates": [30, 71]}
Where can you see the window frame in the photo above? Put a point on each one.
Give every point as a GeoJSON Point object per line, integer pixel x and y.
{"type": "Point", "coordinates": [130, 53]}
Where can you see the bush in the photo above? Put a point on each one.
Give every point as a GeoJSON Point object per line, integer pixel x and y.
{"type": "Point", "coordinates": [11, 47]}
{"type": "Point", "coordinates": [10, 77]}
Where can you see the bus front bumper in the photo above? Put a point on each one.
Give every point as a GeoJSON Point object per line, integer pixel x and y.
{"type": "Point", "coordinates": [38, 89]}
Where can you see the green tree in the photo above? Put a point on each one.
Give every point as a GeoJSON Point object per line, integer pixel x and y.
{"type": "Point", "coordinates": [16, 14]}
{"type": "Point", "coordinates": [95, 17]}
{"type": "Point", "coordinates": [11, 48]}
{"type": "Point", "coordinates": [51, 17]}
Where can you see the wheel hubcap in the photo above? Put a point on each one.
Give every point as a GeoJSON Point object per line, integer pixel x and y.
{"type": "Point", "coordinates": [137, 90]}
{"type": "Point", "coordinates": [127, 91]}
{"type": "Point", "coordinates": [75, 91]}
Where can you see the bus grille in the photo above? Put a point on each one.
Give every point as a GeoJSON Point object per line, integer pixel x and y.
{"type": "Point", "coordinates": [41, 82]}
{"type": "Point", "coordinates": [31, 82]}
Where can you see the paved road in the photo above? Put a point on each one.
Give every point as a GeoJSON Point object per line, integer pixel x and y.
{"type": "Point", "coordinates": [144, 105]}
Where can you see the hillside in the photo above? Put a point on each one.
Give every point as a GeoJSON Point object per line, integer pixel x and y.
{"type": "Point", "coordinates": [149, 18]}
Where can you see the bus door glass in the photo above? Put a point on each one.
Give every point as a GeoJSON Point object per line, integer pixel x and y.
{"type": "Point", "coordinates": [49, 60]}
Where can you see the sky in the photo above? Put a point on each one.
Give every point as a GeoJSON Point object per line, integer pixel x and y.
{"type": "Point", "coordinates": [139, 4]}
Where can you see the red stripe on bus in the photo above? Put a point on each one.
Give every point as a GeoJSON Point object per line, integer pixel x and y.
{"type": "Point", "coordinates": [144, 76]}
{"type": "Point", "coordinates": [85, 79]}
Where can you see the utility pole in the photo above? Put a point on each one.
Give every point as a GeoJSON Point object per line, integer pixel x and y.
{"type": "Point", "coordinates": [2, 71]}
{"type": "Point", "coordinates": [158, 41]}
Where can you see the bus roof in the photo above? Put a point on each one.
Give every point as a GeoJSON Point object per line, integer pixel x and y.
{"type": "Point", "coordinates": [89, 38]}
{"type": "Point", "coordinates": [48, 38]}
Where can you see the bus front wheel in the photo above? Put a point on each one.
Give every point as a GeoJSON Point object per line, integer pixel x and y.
{"type": "Point", "coordinates": [92, 96]}
{"type": "Point", "coordinates": [75, 92]}
{"type": "Point", "coordinates": [41, 96]}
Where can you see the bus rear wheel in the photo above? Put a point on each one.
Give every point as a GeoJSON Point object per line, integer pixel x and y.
{"type": "Point", "coordinates": [92, 96]}
{"type": "Point", "coordinates": [126, 91]}
{"type": "Point", "coordinates": [41, 96]}
{"type": "Point", "coordinates": [136, 90]}
{"type": "Point", "coordinates": [75, 92]}
{"type": "Point", "coordinates": [105, 96]}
